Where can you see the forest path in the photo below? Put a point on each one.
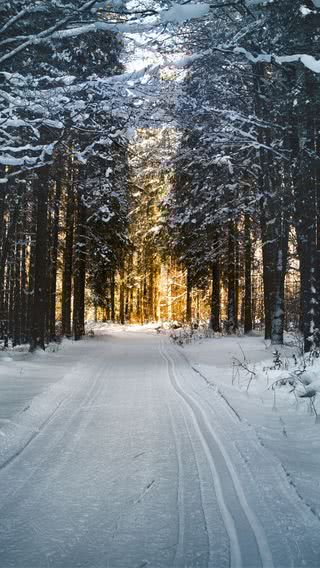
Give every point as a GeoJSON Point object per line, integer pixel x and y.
{"type": "Point", "coordinates": [136, 462]}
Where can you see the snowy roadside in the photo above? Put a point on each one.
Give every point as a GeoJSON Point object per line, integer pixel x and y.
{"type": "Point", "coordinates": [24, 375]}
{"type": "Point", "coordinates": [32, 387]}
{"type": "Point", "coordinates": [284, 423]}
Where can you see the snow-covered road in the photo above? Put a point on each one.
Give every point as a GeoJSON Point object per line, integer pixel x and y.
{"type": "Point", "coordinates": [132, 461]}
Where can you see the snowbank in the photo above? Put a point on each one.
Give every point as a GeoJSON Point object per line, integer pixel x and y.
{"type": "Point", "coordinates": [257, 382]}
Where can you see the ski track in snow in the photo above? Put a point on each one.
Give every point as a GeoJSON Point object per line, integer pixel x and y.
{"type": "Point", "coordinates": [265, 558]}
{"type": "Point", "coordinates": [178, 559]}
{"type": "Point", "coordinates": [291, 501]}
{"type": "Point", "coordinates": [287, 486]}
{"type": "Point", "coordinates": [139, 463]}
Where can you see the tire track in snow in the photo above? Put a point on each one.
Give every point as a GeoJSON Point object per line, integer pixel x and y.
{"type": "Point", "coordinates": [205, 430]}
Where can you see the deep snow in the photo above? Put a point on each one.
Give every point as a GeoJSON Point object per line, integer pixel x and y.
{"type": "Point", "coordinates": [146, 455]}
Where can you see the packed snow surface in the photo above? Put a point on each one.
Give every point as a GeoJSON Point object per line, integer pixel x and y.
{"type": "Point", "coordinates": [149, 455]}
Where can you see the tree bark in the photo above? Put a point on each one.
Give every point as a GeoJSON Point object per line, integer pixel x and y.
{"type": "Point", "coordinates": [112, 297]}
{"type": "Point", "coordinates": [277, 329]}
{"type": "Point", "coordinates": [80, 266]}
{"type": "Point", "coordinates": [304, 152]}
{"type": "Point", "coordinates": [122, 299]}
{"type": "Point", "coordinates": [39, 308]}
{"type": "Point", "coordinates": [8, 229]}
{"type": "Point", "coordinates": [54, 251]}
{"type": "Point", "coordinates": [68, 260]}
{"type": "Point", "coordinates": [16, 339]}
{"type": "Point", "coordinates": [214, 323]}
{"type": "Point", "coordinates": [188, 316]}
{"type": "Point", "coordinates": [232, 317]}
{"type": "Point", "coordinates": [24, 303]}
{"type": "Point", "coordinates": [247, 275]}
{"type": "Point", "coordinates": [33, 232]}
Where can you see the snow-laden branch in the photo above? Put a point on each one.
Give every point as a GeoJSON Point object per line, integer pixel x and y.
{"type": "Point", "coordinates": [308, 61]}
{"type": "Point", "coordinates": [45, 34]}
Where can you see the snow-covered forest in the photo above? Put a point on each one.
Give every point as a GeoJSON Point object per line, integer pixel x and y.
{"type": "Point", "coordinates": [160, 193]}
{"type": "Point", "coordinates": [159, 162]}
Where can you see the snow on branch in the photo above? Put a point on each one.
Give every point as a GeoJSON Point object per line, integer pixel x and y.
{"type": "Point", "coordinates": [307, 60]}
{"type": "Point", "coordinates": [180, 13]}
{"type": "Point", "coordinates": [127, 28]}
{"type": "Point", "coordinates": [47, 33]}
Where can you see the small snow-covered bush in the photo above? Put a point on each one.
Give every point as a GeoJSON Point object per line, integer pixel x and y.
{"type": "Point", "coordinates": [299, 375]}
{"type": "Point", "coordinates": [186, 334]}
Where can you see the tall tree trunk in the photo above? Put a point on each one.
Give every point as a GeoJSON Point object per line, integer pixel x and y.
{"type": "Point", "coordinates": [66, 302]}
{"type": "Point", "coordinates": [232, 319]}
{"type": "Point", "coordinates": [144, 300]}
{"type": "Point", "coordinates": [54, 251]}
{"type": "Point", "coordinates": [39, 308]}
{"type": "Point", "coordinates": [130, 311]}
{"type": "Point", "coordinates": [32, 255]}
{"type": "Point", "coordinates": [24, 305]}
{"type": "Point", "coordinates": [112, 297]}
{"type": "Point", "coordinates": [237, 275]}
{"type": "Point", "coordinates": [188, 316]}
{"type": "Point", "coordinates": [151, 288]}
{"type": "Point", "coordinates": [17, 289]}
{"type": "Point", "coordinates": [80, 266]}
{"type": "Point", "coordinates": [122, 299]}
{"type": "Point", "coordinates": [169, 290]}
{"type": "Point", "coordinates": [2, 210]}
{"type": "Point", "coordinates": [214, 323]}
{"type": "Point", "coordinates": [8, 229]}
{"type": "Point", "coordinates": [139, 305]}
{"type": "Point", "coordinates": [11, 283]}
{"type": "Point", "coordinates": [49, 263]}
{"type": "Point", "coordinates": [267, 206]}
{"type": "Point", "coordinates": [268, 258]}
{"type": "Point", "coordinates": [247, 275]}
{"type": "Point", "coordinates": [3, 224]}
{"type": "Point", "coordinates": [277, 329]}
{"type": "Point", "coordinates": [304, 148]}
{"type": "Point", "coordinates": [127, 301]}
